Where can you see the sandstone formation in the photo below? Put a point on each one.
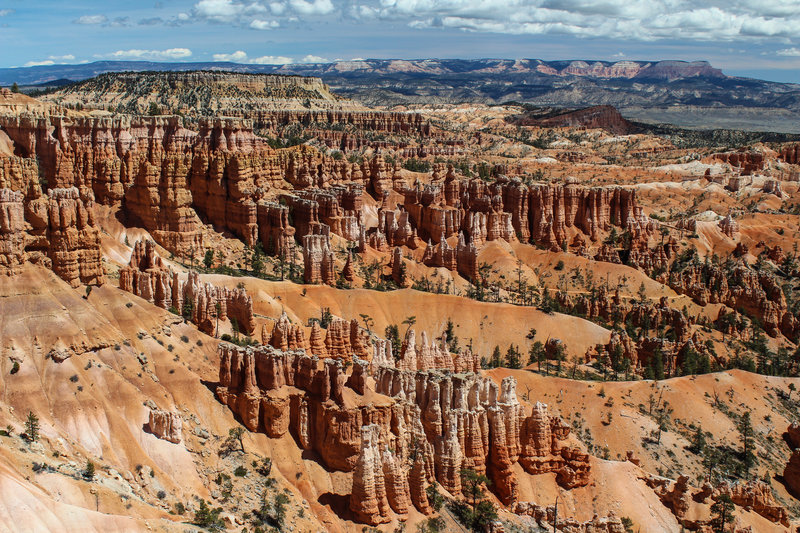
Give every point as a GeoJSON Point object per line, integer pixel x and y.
{"type": "Point", "coordinates": [318, 260]}
{"type": "Point", "coordinates": [204, 304]}
{"type": "Point", "coordinates": [58, 230]}
{"type": "Point", "coordinates": [165, 425]}
{"type": "Point", "coordinates": [483, 426]}
{"type": "Point", "coordinates": [546, 516]}
{"type": "Point", "coordinates": [603, 116]}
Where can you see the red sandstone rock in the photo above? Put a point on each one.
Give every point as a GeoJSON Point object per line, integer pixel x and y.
{"type": "Point", "coordinates": [74, 239]}
{"type": "Point", "coordinates": [728, 226]}
{"type": "Point", "coordinates": [337, 339]}
{"type": "Point", "coordinates": [757, 496]}
{"type": "Point", "coordinates": [368, 498]}
{"type": "Point", "coordinates": [791, 474]}
{"type": "Point", "coordinates": [12, 231]}
{"type": "Point", "coordinates": [165, 425]}
{"type": "Point", "coordinates": [147, 277]}
{"type": "Point", "coordinates": [287, 336]}
{"type": "Point", "coordinates": [318, 260]}
{"type": "Point", "coordinates": [316, 342]}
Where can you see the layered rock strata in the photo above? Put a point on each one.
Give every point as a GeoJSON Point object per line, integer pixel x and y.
{"type": "Point", "coordinates": [427, 428]}
{"type": "Point", "coordinates": [204, 304]}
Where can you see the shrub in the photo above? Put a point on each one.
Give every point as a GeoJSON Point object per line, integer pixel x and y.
{"type": "Point", "coordinates": [208, 518]}
{"type": "Point", "coordinates": [88, 471]}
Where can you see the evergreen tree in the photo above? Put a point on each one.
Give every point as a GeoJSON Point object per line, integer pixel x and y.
{"type": "Point", "coordinates": [392, 333]}
{"type": "Point", "coordinates": [496, 360]}
{"type": "Point", "coordinates": [88, 471]}
{"type": "Point", "coordinates": [746, 434]}
{"type": "Point", "coordinates": [472, 483]}
{"type": "Point", "coordinates": [513, 357]}
{"type": "Point", "coordinates": [721, 513]}
{"type": "Point", "coordinates": [32, 427]}
{"type": "Point", "coordinates": [208, 259]}
{"type": "Point", "coordinates": [655, 367]}
{"type": "Point", "coordinates": [698, 445]}
{"type": "Point", "coordinates": [208, 518]}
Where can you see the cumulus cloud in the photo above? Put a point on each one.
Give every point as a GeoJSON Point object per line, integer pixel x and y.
{"type": "Point", "coordinates": [313, 59]}
{"type": "Point", "coordinates": [253, 13]}
{"type": "Point", "coordinates": [259, 24]}
{"type": "Point", "coordinates": [44, 63]}
{"type": "Point", "coordinates": [5, 12]}
{"type": "Point", "coordinates": [135, 53]}
{"type": "Point", "coordinates": [316, 7]}
{"type": "Point", "coordinates": [240, 56]}
{"type": "Point", "coordinates": [91, 19]}
{"type": "Point", "coordinates": [236, 57]}
{"type": "Point", "coordinates": [271, 60]}
{"type": "Point", "coordinates": [646, 20]}
{"type": "Point", "coordinates": [51, 60]}
{"type": "Point", "coordinates": [789, 52]}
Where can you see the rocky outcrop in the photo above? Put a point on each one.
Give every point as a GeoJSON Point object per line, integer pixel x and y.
{"type": "Point", "coordinates": [728, 226]}
{"type": "Point", "coordinates": [791, 154]}
{"type": "Point", "coordinates": [543, 449]}
{"type": "Point", "coordinates": [748, 162]}
{"type": "Point", "coordinates": [12, 231]}
{"type": "Point", "coordinates": [74, 239]}
{"type": "Point", "coordinates": [204, 304]}
{"type": "Point", "coordinates": [368, 498]}
{"type": "Point", "coordinates": [546, 516]}
{"type": "Point", "coordinates": [507, 209]}
{"type": "Point", "coordinates": [430, 425]}
{"type": "Point", "coordinates": [791, 474]}
{"type": "Point", "coordinates": [755, 495]}
{"type": "Point", "coordinates": [274, 231]}
{"type": "Point", "coordinates": [604, 117]}
{"type": "Point", "coordinates": [318, 260]}
{"type": "Point", "coordinates": [399, 269]}
{"type": "Point", "coordinates": [165, 425]}
{"type": "Point", "coordinates": [773, 186]}
{"type": "Point", "coordinates": [287, 336]}
{"type": "Point", "coordinates": [463, 258]}
{"type": "Point", "coordinates": [739, 287]}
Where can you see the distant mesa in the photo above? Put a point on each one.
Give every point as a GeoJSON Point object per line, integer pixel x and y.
{"type": "Point", "coordinates": [604, 117]}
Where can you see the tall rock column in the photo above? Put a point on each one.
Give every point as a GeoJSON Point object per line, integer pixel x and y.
{"type": "Point", "coordinates": [368, 499]}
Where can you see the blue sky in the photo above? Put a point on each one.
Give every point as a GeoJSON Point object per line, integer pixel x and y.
{"type": "Point", "coordinates": [759, 38]}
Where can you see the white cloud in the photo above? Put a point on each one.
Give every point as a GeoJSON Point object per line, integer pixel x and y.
{"type": "Point", "coordinates": [315, 7]}
{"type": "Point", "coordinates": [51, 60]}
{"type": "Point", "coordinates": [219, 10]}
{"type": "Point", "coordinates": [44, 63]}
{"type": "Point", "coordinates": [790, 52]}
{"type": "Point", "coordinates": [240, 56]}
{"type": "Point", "coordinates": [644, 20]}
{"type": "Point", "coordinates": [313, 59]}
{"type": "Point", "coordinates": [236, 57]}
{"type": "Point", "coordinates": [271, 60]}
{"type": "Point", "coordinates": [277, 8]}
{"type": "Point", "coordinates": [91, 19]}
{"type": "Point", "coordinates": [135, 53]}
{"type": "Point", "coordinates": [5, 12]}
{"type": "Point", "coordinates": [259, 24]}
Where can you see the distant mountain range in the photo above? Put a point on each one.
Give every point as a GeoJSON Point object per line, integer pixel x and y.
{"type": "Point", "coordinates": [689, 94]}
